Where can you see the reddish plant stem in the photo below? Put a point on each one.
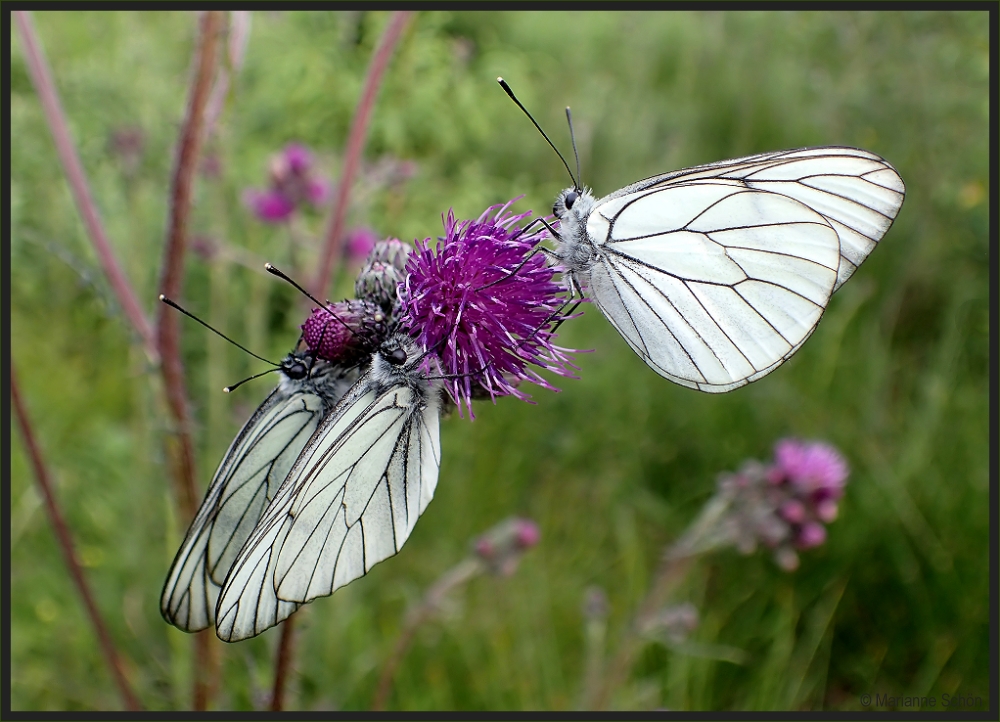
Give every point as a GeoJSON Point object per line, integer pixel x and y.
{"type": "Point", "coordinates": [238, 35]}
{"type": "Point", "coordinates": [172, 273]}
{"type": "Point", "coordinates": [282, 664]}
{"type": "Point", "coordinates": [181, 448]}
{"type": "Point", "coordinates": [66, 545]}
{"type": "Point", "coordinates": [41, 77]}
{"type": "Point", "coordinates": [206, 668]}
{"type": "Point", "coordinates": [355, 144]}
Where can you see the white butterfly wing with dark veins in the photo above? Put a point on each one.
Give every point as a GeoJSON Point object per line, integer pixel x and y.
{"type": "Point", "coordinates": [351, 501]}
{"type": "Point", "coordinates": [253, 468]}
{"type": "Point", "coordinates": [715, 275]}
{"type": "Point", "coordinates": [859, 193]}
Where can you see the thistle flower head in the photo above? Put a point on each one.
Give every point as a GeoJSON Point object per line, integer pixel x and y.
{"type": "Point", "coordinates": [345, 332]}
{"type": "Point", "coordinates": [814, 468]}
{"type": "Point", "coordinates": [810, 475]}
{"type": "Point", "coordinates": [484, 305]}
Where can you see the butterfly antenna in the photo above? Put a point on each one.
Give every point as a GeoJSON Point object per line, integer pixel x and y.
{"type": "Point", "coordinates": [229, 389]}
{"type": "Point", "coordinates": [275, 272]}
{"type": "Point", "coordinates": [572, 139]}
{"type": "Point", "coordinates": [217, 332]}
{"type": "Point", "coordinates": [503, 84]}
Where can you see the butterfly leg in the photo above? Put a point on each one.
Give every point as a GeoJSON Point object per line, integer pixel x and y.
{"type": "Point", "coordinates": [574, 290]}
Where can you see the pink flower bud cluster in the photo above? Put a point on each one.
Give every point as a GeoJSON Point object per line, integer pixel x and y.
{"type": "Point", "coordinates": [785, 505]}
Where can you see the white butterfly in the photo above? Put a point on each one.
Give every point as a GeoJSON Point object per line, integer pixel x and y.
{"type": "Point", "coordinates": [350, 500]}
{"type": "Point", "coordinates": [717, 274]}
{"type": "Point", "coordinates": [253, 468]}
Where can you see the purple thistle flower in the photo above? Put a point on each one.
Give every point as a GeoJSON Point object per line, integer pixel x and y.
{"type": "Point", "coordinates": [484, 305]}
{"type": "Point", "coordinates": [293, 183]}
{"type": "Point", "coordinates": [269, 206]}
{"type": "Point", "coordinates": [806, 480]}
{"type": "Point", "coordinates": [297, 158]}
{"type": "Point", "coordinates": [344, 332]}
{"type": "Point", "coordinates": [813, 466]}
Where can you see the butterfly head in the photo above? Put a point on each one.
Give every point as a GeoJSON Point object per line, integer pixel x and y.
{"type": "Point", "coordinates": [302, 369]}
{"type": "Point", "coordinates": [398, 362]}
{"type": "Point", "coordinates": [296, 365]}
{"type": "Point", "coordinates": [397, 355]}
{"type": "Point", "coordinates": [573, 205]}
{"type": "Point", "coordinates": [572, 208]}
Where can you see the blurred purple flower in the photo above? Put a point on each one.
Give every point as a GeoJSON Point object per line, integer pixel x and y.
{"type": "Point", "coordinates": [503, 545]}
{"type": "Point", "coordinates": [811, 534]}
{"type": "Point", "coordinates": [526, 533]}
{"type": "Point", "coordinates": [782, 506]}
{"type": "Point", "coordinates": [292, 183]}
{"type": "Point", "coordinates": [360, 242]}
{"type": "Point", "coordinates": [485, 305]}
{"type": "Point", "coordinates": [296, 158]}
{"type": "Point", "coordinates": [318, 191]}
{"type": "Point", "coordinates": [816, 473]}
{"type": "Point", "coordinates": [269, 206]}
{"type": "Point", "coordinates": [814, 466]}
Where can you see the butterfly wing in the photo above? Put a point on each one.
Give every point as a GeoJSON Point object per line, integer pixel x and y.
{"type": "Point", "coordinates": [716, 275]}
{"type": "Point", "coordinates": [859, 193]}
{"type": "Point", "coordinates": [350, 501]}
{"type": "Point", "coordinates": [250, 473]}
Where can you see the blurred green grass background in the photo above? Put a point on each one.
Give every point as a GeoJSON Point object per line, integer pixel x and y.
{"type": "Point", "coordinates": [612, 468]}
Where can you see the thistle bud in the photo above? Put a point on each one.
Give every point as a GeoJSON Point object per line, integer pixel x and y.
{"type": "Point", "coordinates": [383, 271]}
{"type": "Point", "coordinates": [503, 545]}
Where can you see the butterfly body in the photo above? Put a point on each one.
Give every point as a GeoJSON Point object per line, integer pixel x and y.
{"type": "Point", "coordinates": [254, 466]}
{"type": "Point", "coordinates": [350, 500]}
